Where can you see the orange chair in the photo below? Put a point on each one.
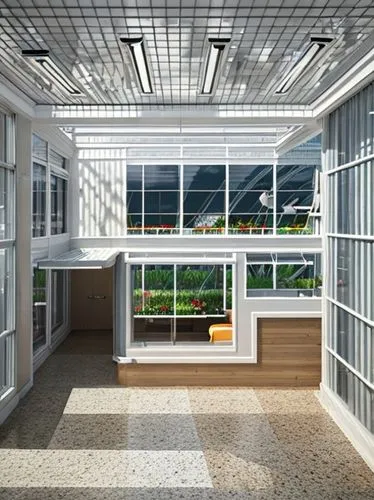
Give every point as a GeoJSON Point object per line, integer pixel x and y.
{"type": "Point", "coordinates": [222, 332]}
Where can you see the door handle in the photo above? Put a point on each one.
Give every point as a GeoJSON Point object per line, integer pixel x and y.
{"type": "Point", "coordinates": [96, 297]}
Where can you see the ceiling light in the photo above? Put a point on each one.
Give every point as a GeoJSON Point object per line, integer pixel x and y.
{"type": "Point", "coordinates": [137, 52]}
{"type": "Point", "coordinates": [315, 47]}
{"type": "Point", "coordinates": [217, 46]}
{"type": "Point", "coordinates": [41, 60]}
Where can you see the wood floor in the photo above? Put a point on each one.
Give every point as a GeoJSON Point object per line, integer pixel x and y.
{"type": "Point", "coordinates": [289, 355]}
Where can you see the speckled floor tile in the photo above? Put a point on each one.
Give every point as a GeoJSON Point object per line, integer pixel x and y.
{"type": "Point", "coordinates": [162, 432]}
{"type": "Point", "coordinates": [159, 401]}
{"type": "Point", "coordinates": [302, 429]}
{"type": "Point", "coordinates": [33, 423]}
{"type": "Point", "coordinates": [289, 401]}
{"type": "Point", "coordinates": [76, 371]}
{"type": "Point", "coordinates": [230, 472]}
{"type": "Point", "coordinates": [224, 401]}
{"type": "Point", "coordinates": [90, 468]}
{"type": "Point", "coordinates": [90, 432]}
{"type": "Point", "coordinates": [248, 437]}
{"type": "Point", "coordinates": [108, 400]}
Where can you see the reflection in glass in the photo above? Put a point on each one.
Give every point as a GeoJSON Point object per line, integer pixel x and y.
{"type": "Point", "coordinates": [57, 299]}
{"type": "Point", "coordinates": [39, 196]}
{"type": "Point", "coordinates": [39, 309]}
{"type": "Point", "coordinates": [58, 205]}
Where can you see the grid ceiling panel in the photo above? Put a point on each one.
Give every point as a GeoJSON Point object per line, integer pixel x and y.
{"type": "Point", "coordinates": [266, 38]}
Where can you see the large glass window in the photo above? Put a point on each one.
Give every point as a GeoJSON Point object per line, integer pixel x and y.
{"type": "Point", "coordinates": [283, 275]}
{"type": "Point", "coordinates": [58, 205]}
{"type": "Point", "coordinates": [222, 199]}
{"type": "Point", "coordinates": [57, 299]}
{"type": "Point", "coordinates": [39, 309]}
{"type": "Point", "coordinates": [6, 138]}
{"type": "Point", "coordinates": [39, 197]}
{"type": "Point", "coordinates": [251, 199]}
{"type": "Point", "coordinates": [297, 191]}
{"type": "Point", "coordinates": [204, 189]}
{"type": "Point", "coordinates": [153, 199]}
{"type": "Point", "coordinates": [178, 303]}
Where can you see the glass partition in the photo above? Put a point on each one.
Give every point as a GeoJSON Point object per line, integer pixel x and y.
{"type": "Point", "coordinates": [222, 199]}
{"type": "Point", "coordinates": [39, 197]}
{"type": "Point", "coordinates": [178, 303]}
{"type": "Point", "coordinates": [57, 299]}
{"type": "Point", "coordinates": [283, 275]}
{"type": "Point", "coordinates": [251, 199]}
{"type": "Point", "coordinates": [39, 309]}
{"type": "Point", "coordinates": [204, 189]}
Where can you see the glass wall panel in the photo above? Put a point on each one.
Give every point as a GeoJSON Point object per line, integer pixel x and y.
{"type": "Point", "coordinates": [204, 199]}
{"type": "Point", "coordinates": [251, 199]}
{"type": "Point", "coordinates": [39, 309]}
{"type": "Point", "coordinates": [296, 192]}
{"type": "Point", "coordinates": [190, 299]}
{"type": "Point", "coordinates": [6, 204]}
{"type": "Point", "coordinates": [39, 196]}
{"type": "Point", "coordinates": [39, 148]}
{"type": "Point", "coordinates": [283, 275]}
{"type": "Point", "coordinates": [57, 299]}
{"type": "Point", "coordinates": [6, 138]}
{"type": "Point", "coordinates": [56, 160]}
{"type": "Point", "coordinates": [58, 205]}
{"type": "Point", "coordinates": [6, 289]}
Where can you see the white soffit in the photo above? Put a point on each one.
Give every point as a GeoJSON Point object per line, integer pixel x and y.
{"type": "Point", "coordinates": [81, 258]}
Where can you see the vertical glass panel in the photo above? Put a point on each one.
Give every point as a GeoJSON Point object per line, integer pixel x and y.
{"type": "Point", "coordinates": [57, 299]}
{"type": "Point", "coordinates": [39, 309]}
{"type": "Point", "coordinates": [58, 205]}
{"type": "Point", "coordinates": [39, 201]}
{"type": "Point", "coordinates": [6, 204]}
{"type": "Point", "coordinates": [39, 148]}
{"type": "Point", "coordinates": [297, 198]}
{"type": "Point", "coordinates": [7, 362]}
{"type": "Point", "coordinates": [204, 199]}
{"type": "Point", "coordinates": [6, 294]}
{"type": "Point", "coordinates": [153, 297]}
{"type": "Point", "coordinates": [251, 199]}
{"type": "Point", "coordinates": [56, 160]}
{"type": "Point", "coordinates": [2, 136]}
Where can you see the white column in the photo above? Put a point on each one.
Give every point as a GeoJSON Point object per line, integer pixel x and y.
{"type": "Point", "coordinates": [23, 252]}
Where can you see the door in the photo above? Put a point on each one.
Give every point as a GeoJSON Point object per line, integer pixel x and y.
{"type": "Point", "coordinates": [92, 299]}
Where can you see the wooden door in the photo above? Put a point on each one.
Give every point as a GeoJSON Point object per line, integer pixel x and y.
{"type": "Point", "coordinates": [92, 299]}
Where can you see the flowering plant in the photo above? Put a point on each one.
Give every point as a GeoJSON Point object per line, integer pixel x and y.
{"type": "Point", "coordinates": [198, 305]}
{"type": "Point", "coordinates": [164, 309]}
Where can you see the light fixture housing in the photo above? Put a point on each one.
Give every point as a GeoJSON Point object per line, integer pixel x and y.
{"type": "Point", "coordinates": [42, 62]}
{"type": "Point", "coordinates": [313, 51]}
{"type": "Point", "coordinates": [139, 60]}
{"type": "Point", "coordinates": [214, 59]}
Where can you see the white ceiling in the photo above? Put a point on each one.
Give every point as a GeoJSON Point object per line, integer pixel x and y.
{"type": "Point", "coordinates": [83, 37]}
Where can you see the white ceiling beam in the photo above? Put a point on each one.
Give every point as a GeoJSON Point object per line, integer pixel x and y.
{"type": "Point", "coordinates": [296, 137]}
{"type": "Point", "coordinates": [17, 104]}
{"type": "Point", "coordinates": [358, 76]}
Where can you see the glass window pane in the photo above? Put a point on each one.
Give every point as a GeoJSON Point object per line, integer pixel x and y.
{"type": "Point", "coordinates": [39, 309]}
{"type": "Point", "coordinates": [6, 204]}
{"type": "Point", "coordinates": [39, 201]}
{"type": "Point", "coordinates": [161, 177]}
{"type": "Point", "coordinates": [204, 177]}
{"type": "Point", "coordinates": [57, 299]}
{"type": "Point", "coordinates": [39, 148]}
{"type": "Point", "coordinates": [58, 205]}
{"type": "Point", "coordinates": [56, 160]}
{"type": "Point", "coordinates": [134, 178]}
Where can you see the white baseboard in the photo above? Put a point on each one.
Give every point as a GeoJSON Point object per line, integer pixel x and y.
{"type": "Point", "coordinates": [359, 436]}
{"type": "Point", "coordinates": [14, 399]}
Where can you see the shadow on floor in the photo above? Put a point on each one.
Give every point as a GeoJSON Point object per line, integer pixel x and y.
{"type": "Point", "coordinates": [84, 359]}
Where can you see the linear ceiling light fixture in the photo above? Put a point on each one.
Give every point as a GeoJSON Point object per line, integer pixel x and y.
{"type": "Point", "coordinates": [41, 60]}
{"type": "Point", "coordinates": [308, 57]}
{"type": "Point", "coordinates": [139, 59]}
{"type": "Point", "coordinates": [217, 46]}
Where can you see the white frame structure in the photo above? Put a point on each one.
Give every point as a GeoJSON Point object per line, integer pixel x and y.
{"type": "Point", "coordinates": [7, 244]}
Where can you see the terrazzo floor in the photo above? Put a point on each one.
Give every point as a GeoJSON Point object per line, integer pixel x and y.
{"type": "Point", "coordinates": [77, 435]}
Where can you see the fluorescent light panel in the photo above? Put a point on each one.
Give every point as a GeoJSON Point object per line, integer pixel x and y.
{"type": "Point", "coordinates": [217, 46]}
{"type": "Point", "coordinates": [317, 44]}
{"type": "Point", "coordinates": [137, 51]}
{"type": "Point", "coordinates": [41, 60]}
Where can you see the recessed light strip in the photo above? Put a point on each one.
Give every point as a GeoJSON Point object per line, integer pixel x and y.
{"type": "Point", "coordinates": [216, 49]}
{"type": "Point", "coordinates": [138, 55]}
{"type": "Point", "coordinates": [41, 60]}
{"type": "Point", "coordinates": [310, 54]}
